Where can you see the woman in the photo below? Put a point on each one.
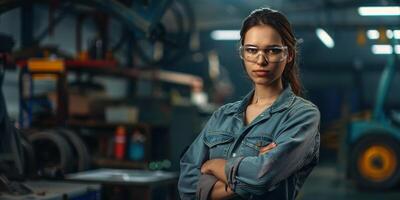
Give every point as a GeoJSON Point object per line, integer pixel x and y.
{"type": "Point", "coordinates": [264, 146]}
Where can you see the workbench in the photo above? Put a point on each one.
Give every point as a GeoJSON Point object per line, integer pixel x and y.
{"type": "Point", "coordinates": [131, 183]}
{"type": "Point", "coordinates": [57, 190]}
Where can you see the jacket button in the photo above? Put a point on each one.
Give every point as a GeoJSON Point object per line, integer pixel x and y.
{"type": "Point", "coordinates": [234, 155]}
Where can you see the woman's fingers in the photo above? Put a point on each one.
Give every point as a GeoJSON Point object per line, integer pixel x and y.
{"type": "Point", "coordinates": [204, 167]}
{"type": "Point", "coordinates": [267, 148]}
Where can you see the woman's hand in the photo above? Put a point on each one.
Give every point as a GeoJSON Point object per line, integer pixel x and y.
{"type": "Point", "coordinates": [215, 167]}
{"type": "Point", "coordinates": [210, 165]}
{"type": "Point", "coordinates": [220, 191]}
{"type": "Point", "coordinates": [266, 149]}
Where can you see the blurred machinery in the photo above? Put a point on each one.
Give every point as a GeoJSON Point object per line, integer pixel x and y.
{"type": "Point", "coordinates": [156, 32]}
{"type": "Point", "coordinates": [153, 34]}
{"type": "Point", "coordinates": [17, 160]}
{"type": "Point", "coordinates": [373, 146]}
{"type": "Point", "coordinates": [11, 154]}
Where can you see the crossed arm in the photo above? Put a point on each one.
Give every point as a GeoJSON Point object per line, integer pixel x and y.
{"type": "Point", "coordinates": [216, 167]}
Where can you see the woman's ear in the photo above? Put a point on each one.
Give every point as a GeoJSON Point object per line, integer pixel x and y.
{"type": "Point", "coordinates": [290, 57]}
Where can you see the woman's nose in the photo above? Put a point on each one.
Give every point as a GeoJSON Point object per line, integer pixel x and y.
{"type": "Point", "coordinates": [262, 59]}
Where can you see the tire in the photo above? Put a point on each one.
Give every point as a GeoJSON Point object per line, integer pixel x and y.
{"type": "Point", "coordinates": [29, 157]}
{"type": "Point", "coordinates": [375, 162]}
{"type": "Point", "coordinates": [79, 149]}
{"type": "Point", "coordinates": [42, 143]}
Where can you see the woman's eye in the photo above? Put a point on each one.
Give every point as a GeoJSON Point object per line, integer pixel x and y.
{"type": "Point", "coordinates": [274, 51]}
{"type": "Point", "coordinates": [251, 50]}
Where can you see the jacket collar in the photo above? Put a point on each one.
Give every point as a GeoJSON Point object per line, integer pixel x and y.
{"type": "Point", "coordinates": [284, 101]}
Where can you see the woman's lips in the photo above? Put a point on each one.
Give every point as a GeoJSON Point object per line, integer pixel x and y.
{"type": "Point", "coordinates": [261, 72]}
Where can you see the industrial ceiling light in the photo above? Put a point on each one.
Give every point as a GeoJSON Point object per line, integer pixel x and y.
{"type": "Point", "coordinates": [225, 35]}
{"type": "Point", "coordinates": [393, 33]}
{"type": "Point", "coordinates": [379, 11]}
{"type": "Point", "coordinates": [396, 34]}
{"type": "Point", "coordinates": [373, 34]}
{"type": "Point", "coordinates": [389, 34]}
{"type": "Point", "coordinates": [384, 49]}
{"type": "Point", "coordinates": [325, 38]}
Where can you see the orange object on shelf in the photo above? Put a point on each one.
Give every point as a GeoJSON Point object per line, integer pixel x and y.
{"type": "Point", "coordinates": [83, 55]}
{"type": "Point", "coordinates": [120, 143]}
{"type": "Point", "coordinates": [48, 65]}
{"type": "Point", "coordinates": [75, 64]}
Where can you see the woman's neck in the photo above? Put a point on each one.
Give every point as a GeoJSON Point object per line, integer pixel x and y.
{"type": "Point", "coordinates": [266, 94]}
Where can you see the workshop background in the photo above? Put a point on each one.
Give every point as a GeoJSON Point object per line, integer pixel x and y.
{"type": "Point", "coordinates": [106, 94]}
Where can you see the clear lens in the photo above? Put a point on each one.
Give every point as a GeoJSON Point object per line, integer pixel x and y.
{"type": "Point", "coordinates": [271, 54]}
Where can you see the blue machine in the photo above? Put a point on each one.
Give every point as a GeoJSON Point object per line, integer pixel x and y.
{"type": "Point", "coordinates": [372, 146]}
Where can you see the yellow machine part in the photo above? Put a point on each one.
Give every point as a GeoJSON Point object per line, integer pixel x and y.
{"type": "Point", "coordinates": [377, 162]}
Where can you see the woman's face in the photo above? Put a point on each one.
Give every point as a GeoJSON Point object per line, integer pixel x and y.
{"type": "Point", "coordinates": [261, 43]}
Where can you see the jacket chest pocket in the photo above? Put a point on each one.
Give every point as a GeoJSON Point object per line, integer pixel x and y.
{"type": "Point", "coordinates": [218, 144]}
{"type": "Point", "coordinates": [251, 145]}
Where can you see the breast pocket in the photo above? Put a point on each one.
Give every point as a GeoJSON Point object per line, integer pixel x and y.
{"type": "Point", "coordinates": [218, 143]}
{"type": "Point", "coordinates": [251, 145]}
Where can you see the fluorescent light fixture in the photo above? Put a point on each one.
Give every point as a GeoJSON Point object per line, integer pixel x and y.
{"type": "Point", "coordinates": [373, 34]}
{"type": "Point", "coordinates": [325, 37]}
{"type": "Point", "coordinates": [379, 11]}
{"type": "Point", "coordinates": [393, 33]}
{"type": "Point", "coordinates": [396, 34]}
{"type": "Point", "coordinates": [389, 34]}
{"type": "Point", "coordinates": [225, 35]}
{"type": "Point", "coordinates": [384, 49]}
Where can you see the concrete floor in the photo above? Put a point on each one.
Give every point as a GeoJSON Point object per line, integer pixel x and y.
{"type": "Point", "coordinates": [326, 183]}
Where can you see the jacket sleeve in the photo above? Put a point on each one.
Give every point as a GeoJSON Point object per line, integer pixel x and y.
{"type": "Point", "coordinates": [297, 144]}
{"type": "Point", "coordinates": [205, 185]}
{"type": "Point", "coordinates": [190, 165]}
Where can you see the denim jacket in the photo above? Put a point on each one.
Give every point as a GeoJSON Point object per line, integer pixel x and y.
{"type": "Point", "coordinates": [291, 122]}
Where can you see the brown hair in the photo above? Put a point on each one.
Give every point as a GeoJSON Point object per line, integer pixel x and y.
{"type": "Point", "coordinates": [275, 19]}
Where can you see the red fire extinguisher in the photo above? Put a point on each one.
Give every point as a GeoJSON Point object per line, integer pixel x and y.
{"type": "Point", "coordinates": [120, 143]}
